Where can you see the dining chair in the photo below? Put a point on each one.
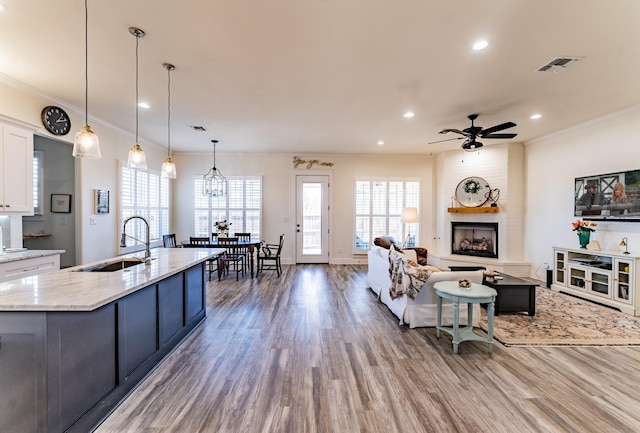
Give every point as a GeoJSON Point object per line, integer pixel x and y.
{"type": "Point", "coordinates": [270, 253]}
{"type": "Point", "coordinates": [244, 236]}
{"type": "Point", "coordinates": [235, 256]}
{"type": "Point", "coordinates": [213, 265]}
{"type": "Point", "coordinates": [169, 241]}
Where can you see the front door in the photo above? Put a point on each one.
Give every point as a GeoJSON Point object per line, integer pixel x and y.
{"type": "Point", "coordinates": [312, 219]}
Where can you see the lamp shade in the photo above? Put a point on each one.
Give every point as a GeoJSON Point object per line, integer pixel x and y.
{"type": "Point", "coordinates": [410, 215]}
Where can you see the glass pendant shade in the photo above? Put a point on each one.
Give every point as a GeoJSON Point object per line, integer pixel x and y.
{"type": "Point", "coordinates": [86, 144]}
{"type": "Point", "coordinates": [137, 159]}
{"type": "Point", "coordinates": [168, 169]}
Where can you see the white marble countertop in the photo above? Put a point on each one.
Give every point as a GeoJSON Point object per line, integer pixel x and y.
{"type": "Point", "coordinates": [70, 289]}
{"type": "Point", "coordinates": [27, 254]}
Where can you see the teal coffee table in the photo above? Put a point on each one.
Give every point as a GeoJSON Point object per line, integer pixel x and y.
{"type": "Point", "coordinates": [476, 294]}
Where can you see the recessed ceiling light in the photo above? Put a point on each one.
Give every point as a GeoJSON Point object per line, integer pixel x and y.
{"type": "Point", "coordinates": [2, 7]}
{"type": "Point", "coordinates": [144, 105]}
{"type": "Point", "coordinates": [536, 116]}
{"type": "Point", "coordinates": [409, 114]}
{"type": "Point", "coordinates": [480, 45]}
{"type": "Point", "coordinates": [380, 143]}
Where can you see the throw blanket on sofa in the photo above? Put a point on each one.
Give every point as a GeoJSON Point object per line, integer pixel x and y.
{"type": "Point", "coordinates": [407, 277]}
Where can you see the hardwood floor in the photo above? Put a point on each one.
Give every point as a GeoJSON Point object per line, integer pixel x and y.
{"type": "Point", "coordinates": [314, 351]}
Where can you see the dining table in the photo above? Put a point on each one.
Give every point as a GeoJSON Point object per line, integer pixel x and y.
{"type": "Point", "coordinates": [251, 244]}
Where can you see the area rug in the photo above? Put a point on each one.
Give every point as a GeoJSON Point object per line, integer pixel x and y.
{"type": "Point", "coordinates": [564, 320]}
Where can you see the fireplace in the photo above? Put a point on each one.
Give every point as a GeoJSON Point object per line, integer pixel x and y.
{"type": "Point", "coordinates": [474, 239]}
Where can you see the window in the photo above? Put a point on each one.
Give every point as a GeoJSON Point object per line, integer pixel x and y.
{"type": "Point", "coordinates": [242, 206]}
{"type": "Point", "coordinates": [145, 194]}
{"type": "Point", "coordinates": [378, 206]}
{"type": "Point", "coordinates": [38, 188]}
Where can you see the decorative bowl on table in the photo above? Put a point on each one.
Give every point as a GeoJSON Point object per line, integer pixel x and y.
{"type": "Point", "coordinates": [465, 284]}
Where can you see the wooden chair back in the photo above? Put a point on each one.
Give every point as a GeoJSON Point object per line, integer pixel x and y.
{"type": "Point", "coordinates": [243, 236]}
{"type": "Point", "coordinates": [194, 240]}
{"type": "Point", "coordinates": [169, 241]}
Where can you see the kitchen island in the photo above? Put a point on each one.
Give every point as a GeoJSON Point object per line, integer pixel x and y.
{"type": "Point", "coordinates": [75, 342]}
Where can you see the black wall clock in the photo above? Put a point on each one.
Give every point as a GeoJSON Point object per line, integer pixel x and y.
{"type": "Point", "coordinates": [56, 120]}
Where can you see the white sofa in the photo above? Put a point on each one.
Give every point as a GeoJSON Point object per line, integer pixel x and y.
{"type": "Point", "coordinates": [421, 311]}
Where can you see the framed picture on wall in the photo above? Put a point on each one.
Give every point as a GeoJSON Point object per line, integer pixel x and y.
{"type": "Point", "coordinates": [61, 203]}
{"type": "Point", "coordinates": [102, 201]}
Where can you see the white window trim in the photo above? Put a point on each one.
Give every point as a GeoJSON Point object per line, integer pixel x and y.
{"type": "Point", "coordinates": [415, 228]}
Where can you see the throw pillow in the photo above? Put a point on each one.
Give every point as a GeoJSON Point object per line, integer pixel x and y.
{"type": "Point", "coordinates": [384, 241]}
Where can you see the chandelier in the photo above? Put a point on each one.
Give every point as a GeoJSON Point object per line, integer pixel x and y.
{"type": "Point", "coordinates": [215, 184]}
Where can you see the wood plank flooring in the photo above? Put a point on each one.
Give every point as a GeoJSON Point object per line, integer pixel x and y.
{"type": "Point", "coordinates": [314, 351]}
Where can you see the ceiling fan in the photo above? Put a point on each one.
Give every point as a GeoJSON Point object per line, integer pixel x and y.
{"type": "Point", "coordinates": [473, 132]}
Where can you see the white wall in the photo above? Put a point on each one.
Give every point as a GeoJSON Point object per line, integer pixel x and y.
{"type": "Point", "coordinates": [603, 146]}
{"type": "Point", "coordinates": [278, 173]}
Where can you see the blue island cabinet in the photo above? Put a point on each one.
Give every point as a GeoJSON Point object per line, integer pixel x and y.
{"type": "Point", "coordinates": [64, 371]}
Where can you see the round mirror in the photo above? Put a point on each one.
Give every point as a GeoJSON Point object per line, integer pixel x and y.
{"type": "Point", "coordinates": [473, 191]}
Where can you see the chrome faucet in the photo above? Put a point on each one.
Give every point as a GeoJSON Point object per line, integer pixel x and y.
{"type": "Point", "coordinates": [123, 239]}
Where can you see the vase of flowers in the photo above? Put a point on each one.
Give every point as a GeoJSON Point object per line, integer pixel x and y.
{"type": "Point", "coordinates": [584, 229]}
{"type": "Point", "coordinates": [222, 227]}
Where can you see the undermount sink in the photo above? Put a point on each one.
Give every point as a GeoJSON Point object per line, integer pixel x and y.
{"type": "Point", "coordinates": [113, 266]}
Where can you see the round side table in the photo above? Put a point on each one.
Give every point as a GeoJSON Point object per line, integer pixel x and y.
{"type": "Point", "coordinates": [476, 294]}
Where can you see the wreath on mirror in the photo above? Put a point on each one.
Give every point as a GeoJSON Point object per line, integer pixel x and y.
{"type": "Point", "coordinates": [472, 186]}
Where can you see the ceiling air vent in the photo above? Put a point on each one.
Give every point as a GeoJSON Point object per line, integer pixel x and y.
{"type": "Point", "coordinates": [559, 64]}
{"type": "Point", "coordinates": [198, 128]}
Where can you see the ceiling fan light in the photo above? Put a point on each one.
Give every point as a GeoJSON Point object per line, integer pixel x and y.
{"type": "Point", "coordinates": [86, 144]}
{"type": "Point", "coordinates": [168, 169]}
{"type": "Point", "coordinates": [471, 146]}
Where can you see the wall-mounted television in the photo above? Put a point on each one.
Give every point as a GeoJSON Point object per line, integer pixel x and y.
{"type": "Point", "coordinates": [614, 196]}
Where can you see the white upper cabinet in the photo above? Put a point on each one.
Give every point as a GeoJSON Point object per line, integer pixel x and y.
{"type": "Point", "coordinates": [16, 179]}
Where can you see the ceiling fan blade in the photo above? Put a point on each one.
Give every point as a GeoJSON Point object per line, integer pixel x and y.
{"type": "Point", "coordinates": [457, 131]}
{"type": "Point", "coordinates": [508, 135]}
{"type": "Point", "coordinates": [448, 139]}
{"type": "Point", "coordinates": [496, 128]}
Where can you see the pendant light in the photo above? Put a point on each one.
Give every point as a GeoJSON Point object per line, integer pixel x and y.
{"type": "Point", "coordinates": [137, 158]}
{"type": "Point", "coordinates": [168, 167]}
{"type": "Point", "coordinates": [85, 143]}
{"type": "Point", "coordinates": [215, 184]}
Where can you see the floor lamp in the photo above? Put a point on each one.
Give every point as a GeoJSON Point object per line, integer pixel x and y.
{"type": "Point", "coordinates": [409, 216]}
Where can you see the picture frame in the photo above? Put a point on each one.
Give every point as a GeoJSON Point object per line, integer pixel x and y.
{"type": "Point", "coordinates": [102, 201]}
{"type": "Point", "coordinates": [61, 203]}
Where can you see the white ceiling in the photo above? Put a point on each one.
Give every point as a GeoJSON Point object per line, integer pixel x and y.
{"type": "Point", "coordinates": [327, 76]}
